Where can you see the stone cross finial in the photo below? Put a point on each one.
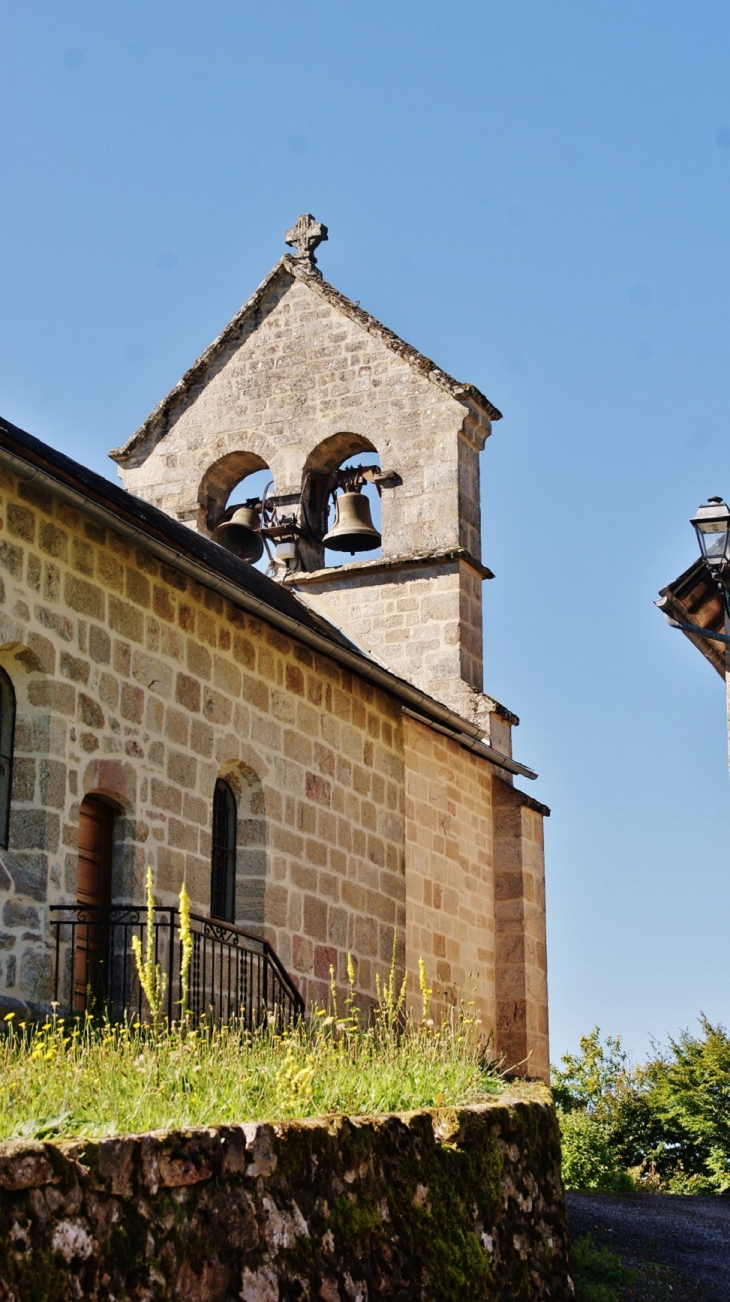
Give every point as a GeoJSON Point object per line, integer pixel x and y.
{"type": "Point", "coordinates": [305, 236]}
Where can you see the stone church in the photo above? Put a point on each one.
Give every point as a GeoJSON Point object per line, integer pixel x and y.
{"type": "Point", "coordinates": [310, 749]}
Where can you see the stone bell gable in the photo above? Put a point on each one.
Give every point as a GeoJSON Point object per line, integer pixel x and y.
{"type": "Point", "coordinates": [301, 379]}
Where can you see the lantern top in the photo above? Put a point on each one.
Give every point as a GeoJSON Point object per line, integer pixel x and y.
{"type": "Point", "coordinates": [713, 506]}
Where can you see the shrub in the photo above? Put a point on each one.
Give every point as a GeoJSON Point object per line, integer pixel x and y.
{"type": "Point", "coordinates": [589, 1159]}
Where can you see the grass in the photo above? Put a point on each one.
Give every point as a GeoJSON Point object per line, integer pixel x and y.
{"type": "Point", "coordinates": [597, 1272]}
{"type": "Point", "coordinates": [82, 1078]}
{"type": "Point", "coordinates": [601, 1276]}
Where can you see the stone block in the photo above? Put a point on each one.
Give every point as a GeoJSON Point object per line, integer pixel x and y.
{"type": "Point", "coordinates": [137, 588]}
{"type": "Point", "coordinates": [166, 796]}
{"type": "Point", "coordinates": [16, 914]}
{"type": "Point", "coordinates": [187, 692]}
{"type": "Point", "coordinates": [82, 556]}
{"type": "Point", "coordinates": [318, 789]}
{"type": "Point", "coordinates": [50, 695]}
{"type": "Point", "coordinates": [21, 522]}
{"type": "Point", "coordinates": [36, 974]}
{"type": "Point", "coordinates": [89, 712]}
{"type": "Point", "coordinates": [132, 703]}
{"type": "Point", "coordinates": [52, 774]}
{"type": "Point", "coordinates": [152, 673]}
{"type": "Point", "coordinates": [226, 677]}
{"type": "Point", "coordinates": [315, 918]}
{"type": "Point", "coordinates": [24, 775]}
{"type": "Point", "coordinates": [29, 875]}
{"type": "Point", "coordinates": [59, 624]}
{"type": "Point", "coordinates": [217, 708]}
{"type": "Point", "coordinates": [71, 667]}
{"type": "Point", "coordinates": [182, 769]}
{"type": "Point", "coordinates": [100, 645]}
{"type": "Point", "coordinates": [84, 597]}
{"type": "Point", "coordinates": [111, 571]}
{"type": "Point", "coordinates": [125, 619]}
{"type": "Point", "coordinates": [200, 662]}
{"type": "Point", "coordinates": [162, 604]}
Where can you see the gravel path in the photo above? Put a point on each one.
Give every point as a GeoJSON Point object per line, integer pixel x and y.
{"type": "Point", "coordinates": [691, 1235]}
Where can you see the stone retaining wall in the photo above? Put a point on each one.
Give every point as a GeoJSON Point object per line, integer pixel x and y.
{"type": "Point", "coordinates": [444, 1205]}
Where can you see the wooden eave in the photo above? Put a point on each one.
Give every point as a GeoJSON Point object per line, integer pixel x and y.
{"type": "Point", "coordinates": [694, 598]}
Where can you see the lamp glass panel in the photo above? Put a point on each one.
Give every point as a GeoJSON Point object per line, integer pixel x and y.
{"type": "Point", "coordinates": [714, 537]}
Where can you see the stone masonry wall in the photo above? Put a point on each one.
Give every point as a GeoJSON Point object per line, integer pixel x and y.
{"type": "Point", "coordinates": [423, 620]}
{"type": "Point", "coordinates": [449, 871]}
{"type": "Point", "coordinates": [433, 1206]}
{"type": "Point", "coordinates": [519, 916]}
{"type": "Point", "coordinates": [135, 683]}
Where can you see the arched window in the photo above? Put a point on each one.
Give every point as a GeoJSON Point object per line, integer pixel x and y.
{"type": "Point", "coordinates": [223, 865]}
{"type": "Point", "coordinates": [7, 735]}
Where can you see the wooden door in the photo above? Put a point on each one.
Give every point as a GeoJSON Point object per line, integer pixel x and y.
{"type": "Point", "coordinates": [93, 890]}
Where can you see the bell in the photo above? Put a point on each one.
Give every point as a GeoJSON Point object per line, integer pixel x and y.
{"type": "Point", "coordinates": [353, 530]}
{"type": "Point", "coordinates": [240, 534]}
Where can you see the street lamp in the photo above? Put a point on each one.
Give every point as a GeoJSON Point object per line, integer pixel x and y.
{"type": "Point", "coordinates": [712, 526]}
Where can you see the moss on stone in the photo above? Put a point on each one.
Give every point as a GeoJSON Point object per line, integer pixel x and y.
{"type": "Point", "coordinates": [426, 1207]}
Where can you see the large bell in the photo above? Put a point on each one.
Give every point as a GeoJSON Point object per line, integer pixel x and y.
{"type": "Point", "coordinates": [353, 529]}
{"type": "Point", "coordinates": [240, 534]}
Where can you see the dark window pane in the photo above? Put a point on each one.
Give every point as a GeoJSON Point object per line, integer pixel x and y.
{"type": "Point", "coordinates": [223, 867]}
{"type": "Point", "coordinates": [7, 734]}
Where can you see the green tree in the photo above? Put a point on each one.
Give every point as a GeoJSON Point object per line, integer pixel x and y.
{"type": "Point", "coordinates": [667, 1121]}
{"type": "Point", "coordinates": [588, 1078]}
{"type": "Point", "coordinates": [689, 1092]}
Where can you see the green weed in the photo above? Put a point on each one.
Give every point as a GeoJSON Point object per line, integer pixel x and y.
{"type": "Point", "coordinates": [597, 1272]}
{"type": "Point", "coordinates": [77, 1077]}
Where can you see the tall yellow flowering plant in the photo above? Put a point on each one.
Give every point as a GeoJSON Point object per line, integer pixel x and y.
{"type": "Point", "coordinates": [186, 941]}
{"type": "Point", "coordinates": [151, 977]}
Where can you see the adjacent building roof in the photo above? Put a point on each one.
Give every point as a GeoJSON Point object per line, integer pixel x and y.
{"type": "Point", "coordinates": [214, 567]}
{"type": "Point", "coordinates": [160, 420]}
{"type": "Point", "coordinates": [694, 598]}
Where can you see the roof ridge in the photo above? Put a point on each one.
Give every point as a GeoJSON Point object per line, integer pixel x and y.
{"type": "Point", "coordinates": [302, 270]}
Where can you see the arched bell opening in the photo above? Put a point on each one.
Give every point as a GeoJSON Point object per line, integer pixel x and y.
{"type": "Point", "coordinates": [231, 494]}
{"type": "Point", "coordinates": [345, 509]}
{"type": "Point", "coordinates": [354, 521]}
{"type": "Point", "coordinates": [229, 480]}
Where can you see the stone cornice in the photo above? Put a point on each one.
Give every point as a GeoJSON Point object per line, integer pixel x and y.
{"type": "Point", "coordinates": [303, 578]}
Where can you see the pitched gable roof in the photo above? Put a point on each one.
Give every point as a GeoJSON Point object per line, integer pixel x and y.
{"type": "Point", "coordinates": [154, 428]}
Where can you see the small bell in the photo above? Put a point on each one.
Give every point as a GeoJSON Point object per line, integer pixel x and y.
{"type": "Point", "coordinates": [240, 534]}
{"type": "Point", "coordinates": [353, 529]}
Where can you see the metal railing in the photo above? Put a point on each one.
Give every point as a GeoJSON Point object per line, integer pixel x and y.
{"type": "Point", "coordinates": [233, 975]}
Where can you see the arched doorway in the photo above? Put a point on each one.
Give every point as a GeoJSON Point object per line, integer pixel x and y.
{"type": "Point", "coordinates": [93, 893]}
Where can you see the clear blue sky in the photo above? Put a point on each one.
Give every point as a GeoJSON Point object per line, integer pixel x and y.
{"type": "Point", "coordinates": [536, 195]}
